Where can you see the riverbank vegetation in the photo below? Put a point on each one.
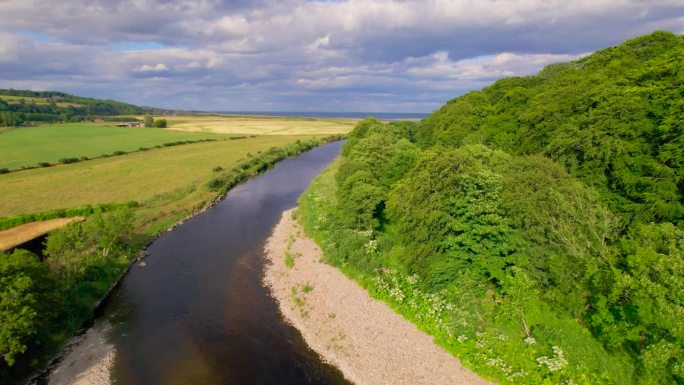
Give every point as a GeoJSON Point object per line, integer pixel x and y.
{"type": "Point", "coordinates": [534, 228]}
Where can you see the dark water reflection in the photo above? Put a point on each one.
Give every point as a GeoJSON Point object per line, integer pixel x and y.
{"type": "Point", "coordinates": [198, 314]}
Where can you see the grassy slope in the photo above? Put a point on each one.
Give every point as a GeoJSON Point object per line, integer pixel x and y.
{"type": "Point", "coordinates": [260, 125]}
{"type": "Point", "coordinates": [138, 176]}
{"type": "Point", "coordinates": [27, 146]}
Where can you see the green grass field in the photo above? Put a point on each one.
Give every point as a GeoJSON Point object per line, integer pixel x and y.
{"type": "Point", "coordinates": [166, 181]}
{"type": "Point", "coordinates": [26, 146]}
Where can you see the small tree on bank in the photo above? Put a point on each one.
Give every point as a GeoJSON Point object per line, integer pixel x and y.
{"type": "Point", "coordinates": [160, 123]}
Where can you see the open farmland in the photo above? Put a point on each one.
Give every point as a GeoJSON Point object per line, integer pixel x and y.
{"type": "Point", "coordinates": [26, 146]}
{"type": "Point", "coordinates": [168, 182]}
{"type": "Point", "coordinates": [260, 125]}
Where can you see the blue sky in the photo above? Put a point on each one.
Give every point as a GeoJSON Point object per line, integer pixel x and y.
{"type": "Point", "coordinates": [290, 55]}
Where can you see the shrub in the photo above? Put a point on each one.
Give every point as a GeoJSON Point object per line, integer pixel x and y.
{"type": "Point", "coordinates": [69, 160]}
{"type": "Point", "coordinates": [215, 184]}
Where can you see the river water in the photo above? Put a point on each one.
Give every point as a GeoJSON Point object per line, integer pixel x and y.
{"type": "Point", "coordinates": [198, 313]}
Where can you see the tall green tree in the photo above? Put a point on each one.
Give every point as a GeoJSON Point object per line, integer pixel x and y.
{"type": "Point", "coordinates": [148, 120]}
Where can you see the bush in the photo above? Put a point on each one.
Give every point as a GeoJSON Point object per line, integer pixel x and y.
{"type": "Point", "coordinates": [215, 184]}
{"type": "Point", "coordinates": [43, 164]}
{"type": "Point", "coordinates": [69, 160]}
{"type": "Point", "coordinates": [160, 123]}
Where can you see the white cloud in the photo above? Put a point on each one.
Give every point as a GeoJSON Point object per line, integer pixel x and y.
{"type": "Point", "coordinates": [503, 64]}
{"type": "Point", "coordinates": [156, 68]}
{"type": "Point", "coordinates": [295, 54]}
{"type": "Point", "coordinates": [320, 42]}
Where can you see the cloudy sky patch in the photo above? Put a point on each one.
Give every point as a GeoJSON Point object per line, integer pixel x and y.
{"type": "Point", "coordinates": [294, 55]}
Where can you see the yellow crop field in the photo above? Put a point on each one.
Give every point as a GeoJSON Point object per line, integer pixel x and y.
{"type": "Point", "coordinates": [260, 125]}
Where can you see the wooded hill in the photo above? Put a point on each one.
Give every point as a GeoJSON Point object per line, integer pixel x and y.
{"type": "Point", "coordinates": [19, 107]}
{"type": "Point", "coordinates": [534, 227]}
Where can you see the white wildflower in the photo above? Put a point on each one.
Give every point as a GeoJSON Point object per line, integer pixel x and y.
{"type": "Point", "coordinates": [396, 294]}
{"type": "Point", "coordinates": [371, 246]}
{"type": "Point", "coordinates": [555, 362]}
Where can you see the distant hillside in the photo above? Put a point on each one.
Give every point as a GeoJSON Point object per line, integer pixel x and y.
{"type": "Point", "coordinates": [535, 228]}
{"type": "Point", "coordinates": [21, 106]}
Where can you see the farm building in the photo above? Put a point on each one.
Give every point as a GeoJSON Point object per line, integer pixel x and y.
{"type": "Point", "coordinates": [130, 124]}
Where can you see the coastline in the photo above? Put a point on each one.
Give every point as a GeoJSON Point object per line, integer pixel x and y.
{"type": "Point", "coordinates": [363, 337]}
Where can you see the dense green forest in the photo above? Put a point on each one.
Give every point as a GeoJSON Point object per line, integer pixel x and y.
{"type": "Point", "coordinates": [18, 107]}
{"type": "Point", "coordinates": [534, 228]}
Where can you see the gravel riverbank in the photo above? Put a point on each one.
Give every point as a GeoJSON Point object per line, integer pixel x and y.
{"type": "Point", "coordinates": [363, 337]}
{"type": "Point", "coordinates": [87, 360]}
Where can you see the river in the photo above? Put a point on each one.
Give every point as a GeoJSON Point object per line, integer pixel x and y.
{"type": "Point", "coordinates": [197, 313]}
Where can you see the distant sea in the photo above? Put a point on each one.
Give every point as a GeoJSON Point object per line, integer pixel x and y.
{"type": "Point", "coordinates": [359, 115]}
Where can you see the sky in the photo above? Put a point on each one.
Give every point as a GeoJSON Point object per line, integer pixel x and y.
{"type": "Point", "coordinates": [294, 55]}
